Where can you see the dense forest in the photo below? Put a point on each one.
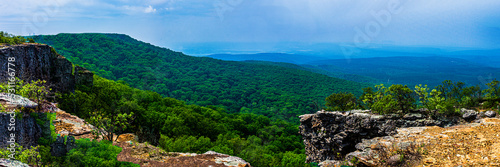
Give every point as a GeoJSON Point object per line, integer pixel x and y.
{"type": "Point", "coordinates": [274, 91]}
{"type": "Point", "coordinates": [391, 67]}
{"type": "Point", "coordinates": [6, 38]}
{"type": "Point", "coordinates": [446, 99]}
{"type": "Point", "coordinates": [178, 127]}
{"type": "Point", "coordinates": [408, 70]}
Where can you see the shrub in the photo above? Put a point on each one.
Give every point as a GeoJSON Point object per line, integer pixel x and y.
{"type": "Point", "coordinates": [341, 102]}
{"type": "Point", "coordinates": [94, 153]}
{"type": "Point", "coordinates": [29, 156]}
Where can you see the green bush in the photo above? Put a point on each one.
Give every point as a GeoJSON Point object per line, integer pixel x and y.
{"type": "Point", "coordinates": [94, 153]}
{"type": "Point", "coordinates": [185, 144]}
{"type": "Point", "coordinates": [341, 102]}
{"type": "Point", "coordinates": [11, 39]}
{"type": "Point", "coordinates": [29, 156]}
{"type": "Point", "coordinates": [390, 100]}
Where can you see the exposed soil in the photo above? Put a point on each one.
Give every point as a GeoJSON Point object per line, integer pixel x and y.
{"type": "Point", "coordinates": [476, 144]}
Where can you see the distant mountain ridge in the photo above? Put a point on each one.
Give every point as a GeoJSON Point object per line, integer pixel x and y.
{"type": "Point", "coordinates": [411, 70]}
{"type": "Point", "coordinates": [271, 57]}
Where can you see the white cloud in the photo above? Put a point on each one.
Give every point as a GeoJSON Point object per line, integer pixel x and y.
{"type": "Point", "coordinates": [149, 9]}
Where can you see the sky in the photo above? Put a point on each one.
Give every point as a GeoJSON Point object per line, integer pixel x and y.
{"type": "Point", "coordinates": [265, 25]}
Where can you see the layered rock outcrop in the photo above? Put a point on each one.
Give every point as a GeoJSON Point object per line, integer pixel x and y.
{"type": "Point", "coordinates": [26, 129]}
{"type": "Point", "coordinates": [31, 62]}
{"type": "Point", "coordinates": [332, 135]}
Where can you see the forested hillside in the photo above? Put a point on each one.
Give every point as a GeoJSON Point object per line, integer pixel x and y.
{"type": "Point", "coordinates": [412, 70]}
{"type": "Point", "coordinates": [392, 68]}
{"type": "Point", "coordinates": [179, 127]}
{"type": "Point", "coordinates": [274, 91]}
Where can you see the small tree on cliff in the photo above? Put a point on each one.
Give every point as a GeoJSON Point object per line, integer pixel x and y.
{"type": "Point", "coordinates": [492, 94]}
{"type": "Point", "coordinates": [341, 101]}
{"type": "Point", "coordinates": [403, 97]}
{"type": "Point", "coordinates": [390, 100]}
{"type": "Point", "coordinates": [111, 113]}
{"type": "Point", "coordinates": [37, 91]}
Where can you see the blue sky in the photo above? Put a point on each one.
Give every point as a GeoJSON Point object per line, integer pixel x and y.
{"type": "Point", "coordinates": [266, 24]}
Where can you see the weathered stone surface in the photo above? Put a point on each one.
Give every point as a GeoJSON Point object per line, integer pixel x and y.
{"type": "Point", "coordinates": [11, 163]}
{"type": "Point", "coordinates": [228, 160]}
{"type": "Point", "coordinates": [490, 114]}
{"type": "Point", "coordinates": [9, 100]}
{"type": "Point", "coordinates": [83, 76]}
{"type": "Point", "coordinates": [60, 147]}
{"type": "Point", "coordinates": [332, 135]}
{"type": "Point", "coordinates": [24, 128]}
{"type": "Point", "coordinates": [468, 114]}
{"type": "Point", "coordinates": [71, 125]}
{"type": "Point", "coordinates": [148, 155]}
{"type": "Point", "coordinates": [413, 116]}
{"type": "Point", "coordinates": [41, 62]}
{"type": "Point", "coordinates": [37, 62]}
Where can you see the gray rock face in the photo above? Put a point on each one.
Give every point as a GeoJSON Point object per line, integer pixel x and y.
{"type": "Point", "coordinates": [228, 160]}
{"type": "Point", "coordinates": [24, 128]}
{"type": "Point", "coordinates": [332, 135]}
{"type": "Point", "coordinates": [39, 62]}
{"type": "Point", "coordinates": [34, 62]}
{"type": "Point", "coordinates": [490, 114]}
{"type": "Point", "coordinates": [60, 148]}
{"type": "Point", "coordinates": [15, 101]}
{"type": "Point", "coordinates": [468, 114]}
{"type": "Point", "coordinates": [11, 163]}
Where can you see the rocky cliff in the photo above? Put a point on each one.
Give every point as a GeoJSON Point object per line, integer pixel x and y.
{"type": "Point", "coordinates": [24, 129]}
{"type": "Point", "coordinates": [332, 135]}
{"type": "Point", "coordinates": [33, 62]}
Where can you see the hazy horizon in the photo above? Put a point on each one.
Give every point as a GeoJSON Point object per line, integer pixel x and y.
{"type": "Point", "coordinates": [199, 27]}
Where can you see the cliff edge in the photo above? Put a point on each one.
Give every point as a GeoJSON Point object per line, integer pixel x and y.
{"type": "Point", "coordinates": [31, 62]}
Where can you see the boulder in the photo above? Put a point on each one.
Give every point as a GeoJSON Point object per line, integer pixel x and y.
{"type": "Point", "coordinates": [468, 115]}
{"type": "Point", "coordinates": [413, 116]}
{"type": "Point", "coordinates": [490, 114]}
{"type": "Point", "coordinates": [12, 163]}
{"type": "Point", "coordinates": [9, 100]}
{"type": "Point", "coordinates": [228, 160]}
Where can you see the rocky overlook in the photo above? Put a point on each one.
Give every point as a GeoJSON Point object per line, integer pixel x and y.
{"type": "Point", "coordinates": [337, 136]}
{"type": "Point", "coordinates": [41, 62]}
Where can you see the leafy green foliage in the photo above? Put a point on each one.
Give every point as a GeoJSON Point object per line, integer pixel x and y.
{"type": "Point", "coordinates": [341, 102]}
{"type": "Point", "coordinates": [36, 91]}
{"type": "Point", "coordinates": [492, 94]}
{"type": "Point", "coordinates": [447, 98]}
{"type": "Point", "coordinates": [274, 91]}
{"type": "Point", "coordinates": [389, 100]}
{"type": "Point", "coordinates": [176, 126]}
{"type": "Point", "coordinates": [11, 39]}
{"type": "Point", "coordinates": [403, 96]}
{"type": "Point", "coordinates": [457, 95]}
{"type": "Point", "coordinates": [29, 156]}
{"type": "Point", "coordinates": [107, 124]}
{"type": "Point", "coordinates": [413, 69]}
{"type": "Point", "coordinates": [433, 100]}
{"type": "Point", "coordinates": [94, 153]}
